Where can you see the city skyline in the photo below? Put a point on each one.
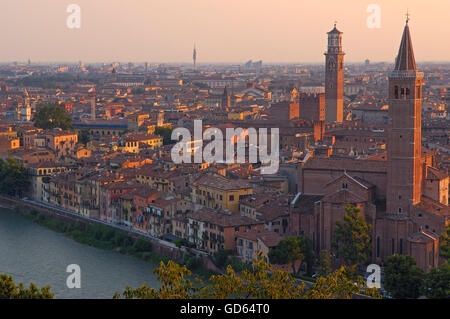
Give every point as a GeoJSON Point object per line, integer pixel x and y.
{"type": "Point", "coordinates": [224, 32]}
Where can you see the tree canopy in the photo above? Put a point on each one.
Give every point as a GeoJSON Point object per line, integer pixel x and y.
{"type": "Point", "coordinates": [437, 283]}
{"type": "Point", "coordinates": [444, 246]}
{"type": "Point", "coordinates": [14, 178]}
{"type": "Point", "coordinates": [9, 290]}
{"type": "Point", "coordinates": [84, 136]}
{"type": "Point", "coordinates": [324, 263]}
{"type": "Point", "coordinates": [259, 282]}
{"type": "Point", "coordinates": [352, 237]}
{"type": "Point", "coordinates": [52, 116]}
{"type": "Point", "coordinates": [401, 278]}
{"type": "Point", "coordinates": [291, 250]}
{"type": "Point", "coordinates": [165, 133]}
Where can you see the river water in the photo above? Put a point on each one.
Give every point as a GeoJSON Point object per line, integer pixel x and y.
{"type": "Point", "coordinates": [32, 253]}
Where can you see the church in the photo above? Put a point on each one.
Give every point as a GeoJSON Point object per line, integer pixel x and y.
{"type": "Point", "coordinates": [400, 192]}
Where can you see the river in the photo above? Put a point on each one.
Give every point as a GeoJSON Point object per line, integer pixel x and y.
{"type": "Point", "coordinates": [32, 253]}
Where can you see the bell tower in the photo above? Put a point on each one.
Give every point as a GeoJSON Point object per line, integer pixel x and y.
{"type": "Point", "coordinates": [334, 77]}
{"type": "Point", "coordinates": [404, 172]}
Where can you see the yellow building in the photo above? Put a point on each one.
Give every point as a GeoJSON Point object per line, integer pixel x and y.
{"type": "Point", "coordinates": [132, 141]}
{"type": "Point", "coordinates": [218, 192]}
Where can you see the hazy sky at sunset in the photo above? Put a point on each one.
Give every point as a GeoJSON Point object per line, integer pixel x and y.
{"type": "Point", "coordinates": [224, 30]}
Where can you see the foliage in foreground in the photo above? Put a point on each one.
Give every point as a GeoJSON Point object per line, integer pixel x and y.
{"type": "Point", "coordinates": [261, 282]}
{"type": "Point", "coordinates": [9, 290]}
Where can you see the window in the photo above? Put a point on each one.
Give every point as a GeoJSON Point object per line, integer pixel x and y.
{"type": "Point", "coordinates": [401, 247]}
{"type": "Point", "coordinates": [344, 186]}
{"type": "Point", "coordinates": [396, 91]}
{"type": "Point", "coordinates": [231, 198]}
{"type": "Point", "coordinates": [378, 247]}
{"type": "Point", "coordinates": [393, 246]}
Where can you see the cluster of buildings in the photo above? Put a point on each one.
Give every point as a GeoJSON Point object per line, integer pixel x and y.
{"type": "Point", "coordinates": [377, 138]}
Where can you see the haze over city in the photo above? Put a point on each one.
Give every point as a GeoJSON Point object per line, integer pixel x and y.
{"type": "Point", "coordinates": [224, 150]}
{"type": "Point", "coordinates": [224, 31]}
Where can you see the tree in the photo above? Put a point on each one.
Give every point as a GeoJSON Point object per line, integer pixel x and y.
{"type": "Point", "coordinates": [437, 283]}
{"type": "Point", "coordinates": [174, 284]}
{"type": "Point", "coordinates": [260, 282]}
{"type": "Point", "coordinates": [180, 242]}
{"type": "Point", "coordinates": [165, 133]}
{"type": "Point", "coordinates": [84, 136]}
{"type": "Point", "coordinates": [14, 178]}
{"type": "Point", "coordinates": [287, 251]}
{"type": "Point", "coordinates": [9, 290]}
{"type": "Point", "coordinates": [221, 257]}
{"type": "Point", "coordinates": [52, 116]}
{"type": "Point", "coordinates": [142, 245]}
{"type": "Point", "coordinates": [324, 263]}
{"type": "Point", "coordinates": [352, 237]}
{"type": "Point", "coordinates": [444, 246]}
{"type": "Point", "coordinates": [401, 278]}
{"type": "Point", "coordinates": [336, 285]}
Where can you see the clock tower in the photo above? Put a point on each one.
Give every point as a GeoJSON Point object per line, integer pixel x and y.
{"type": "Point", "coordinates": [334, 77]}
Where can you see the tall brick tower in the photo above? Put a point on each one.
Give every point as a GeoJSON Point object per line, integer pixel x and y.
{"type": "Point", "coordinates": [404, 173]}
{"type": "Point", "coordinates": [334, 77]}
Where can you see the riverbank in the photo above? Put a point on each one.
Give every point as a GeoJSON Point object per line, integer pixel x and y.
{"type": "Point", "coordinates": [108, 238]}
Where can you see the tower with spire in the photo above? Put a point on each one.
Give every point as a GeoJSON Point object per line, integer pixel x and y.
{"type": "Point", "coordinates": [404, 179]}
{"type": "Point", "coordinates": [334, 77]}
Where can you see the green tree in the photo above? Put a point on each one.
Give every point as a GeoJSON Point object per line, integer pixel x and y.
{"type": "Point", "coordinates": [324, 263]}
{"type": "Point", "coordinates": [291, 250]}
{"type": "Point", "coordinates": [336, 285]}
{"type": "Point", "coordinates": [259, 282]}
{"type": "Point", "coordinates": [180, 242]}
{"type": "Point", "coordinates": [142, 245]}
{"type": "Point", "coordinates": [401, 278]}
{"type": "Point", "coordinates": [9, 290]}
{"type": "Point", "coordinates": [52, 116]}
{"type": "Point", "coordinates": [437, 283]}
{"type": "Point", "coordinates": [14, 178]}
{"type": "Point", "coordinates": [352, 237]}
{"type": "Point", "coordinates": [444, 246]}
{"type": "Point", "coordinates": [84, 136]}
{"type": "Point", "coordinates": [175, 284]}
{"type": "Point", "coordinates": [221, 257]}
{"type": "Point", "coordinates": [165, 133]}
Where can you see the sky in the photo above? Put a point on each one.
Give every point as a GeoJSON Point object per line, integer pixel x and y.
{"type": "Point", "coordinates": [234, 31]}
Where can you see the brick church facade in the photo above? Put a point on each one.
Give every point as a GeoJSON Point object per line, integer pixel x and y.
{"type": "Point", "coordinates": [400, 193]}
